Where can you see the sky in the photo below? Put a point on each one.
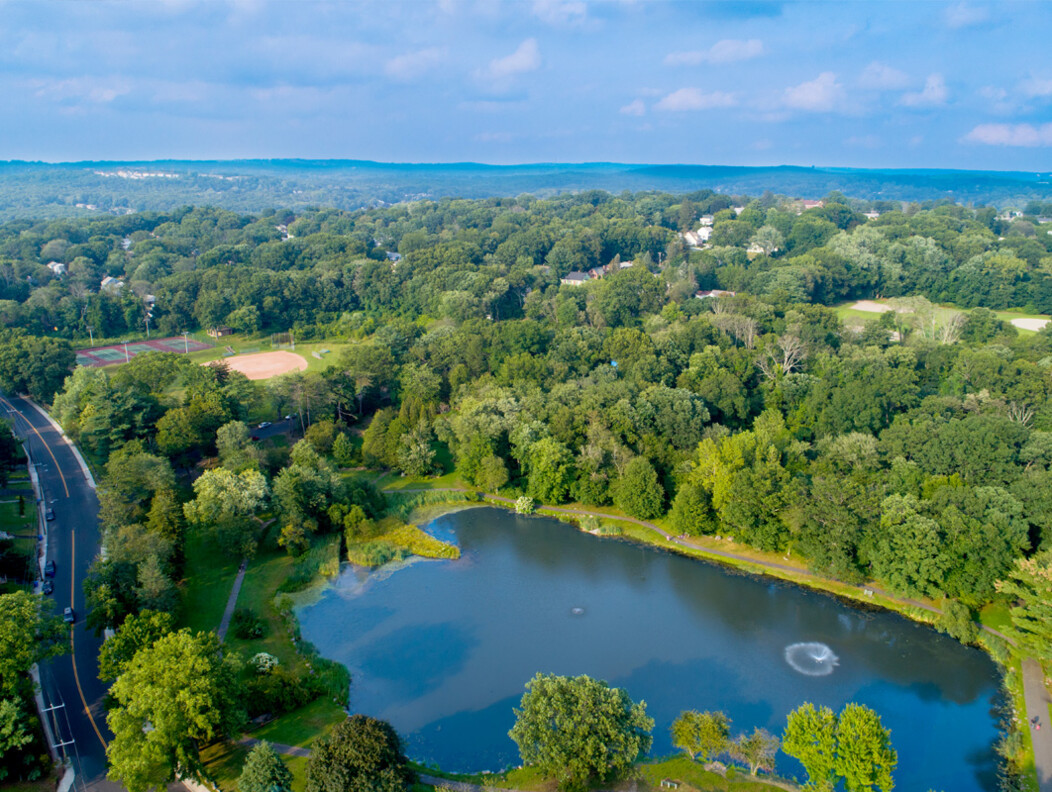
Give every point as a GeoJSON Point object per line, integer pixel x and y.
{"type": "Point", "coordinates": [849, 84]}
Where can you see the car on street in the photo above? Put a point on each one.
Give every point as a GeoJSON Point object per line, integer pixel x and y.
{"type": "Point", "coordinates": [288, 417]}
{"type": "Point", "coordinates": [263, 425]}
{"type": "Point", "coordinates": [49, 515]}
{"type": "Point", "coordinates": [48, 587]}
{"type": "Point", "coordinates": [49, 569]}
{"type": "Point", "coordinates": [69, 616]}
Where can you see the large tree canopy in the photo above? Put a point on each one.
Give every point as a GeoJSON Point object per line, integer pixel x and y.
{"type": "Point", "coordinates": [577, 729]}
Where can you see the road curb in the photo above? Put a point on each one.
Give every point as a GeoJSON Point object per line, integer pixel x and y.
{"type": "Point", "coordinates": [72, 446]}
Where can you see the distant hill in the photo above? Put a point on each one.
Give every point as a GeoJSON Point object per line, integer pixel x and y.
{"type": "Point", "coordinates": [31, 189]}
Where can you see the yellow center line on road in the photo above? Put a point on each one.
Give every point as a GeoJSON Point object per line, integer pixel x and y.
{"type": "Point", "coordinates": [58, 467]}
{"type": "Point", "coordinates": [72, 648]}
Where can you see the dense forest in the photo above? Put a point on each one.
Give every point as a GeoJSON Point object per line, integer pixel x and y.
{"type": "Point", "coordinates": [37, 190]}
{"type": "Point", "coordinates": [915, 450]}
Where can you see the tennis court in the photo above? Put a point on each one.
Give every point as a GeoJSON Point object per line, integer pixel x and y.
{"type": "Point", "coordinates": [119, 353]}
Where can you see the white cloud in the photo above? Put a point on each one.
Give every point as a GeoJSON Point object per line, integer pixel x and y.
{"type": "Point", "coordinates": [1037, 87]}
{"type": "Point", "coordinates": [526, 58]}
{"type": "Point", "coordinates": [964, 15]}
{"type": "Point", "coordinates": [414, 64]}
{"type": "Point", "coordinates": [1025, 135]}
{"type": "Point", "coordinates": [725, 51]}
{"type": "Point", "coordinates": [560, 12]}
{"type": "Point", "coordinates": [693, 99]}
{"type": "Point", "coordinates": [820, 95]}
{"type": "Point", "coordinates": [635, 108]}
{"type": "Point", "coordinates": [933, 94]}
{"type": "Point", "coordinates": [81, 90]}
{"type": "Point", "coordinates": [881, 77]}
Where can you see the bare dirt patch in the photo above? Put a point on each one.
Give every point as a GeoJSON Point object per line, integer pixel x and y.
{"type": "Point", "coordinates": [264, 365]}
{"type": "Point", "coordinates": [871, 307]}
{"type": "Point", "coordinates": [1030, 324]}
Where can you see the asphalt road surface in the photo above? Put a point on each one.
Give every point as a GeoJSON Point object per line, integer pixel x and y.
{"type": "Point", "coordinates": [70, 683]}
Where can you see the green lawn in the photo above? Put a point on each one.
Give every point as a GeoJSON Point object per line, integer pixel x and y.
{"type": "Point", "coordinates": [210, 573]}
{"type": "Point", "coordinates": [845, 312]}
{"type": "Point", "coordinates": [684, 771]}
{"type": "Point", "coordinates": [304, 725]}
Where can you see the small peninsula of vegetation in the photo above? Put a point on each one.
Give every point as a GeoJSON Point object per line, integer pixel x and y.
{"type": "Point", "coordinates": [691, 360]}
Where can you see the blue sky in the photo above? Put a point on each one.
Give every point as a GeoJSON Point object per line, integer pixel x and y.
{"type": "Point", "coordinates": [862, 84]}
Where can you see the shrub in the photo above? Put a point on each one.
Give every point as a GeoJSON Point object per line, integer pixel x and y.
{"type": "Point", "coordinates": [264, 663]}
{"type": "Point", "coordinates": [524, 505]}
{"type": "Point", "coordinates": [246, 625]}
{"type": "Point", "coordinates": [375, 553]}
{"type": "Point", "coordinates": [279, 692]}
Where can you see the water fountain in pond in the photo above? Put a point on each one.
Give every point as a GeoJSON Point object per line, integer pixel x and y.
{"type": "Point", "coordinates": [811, 659]}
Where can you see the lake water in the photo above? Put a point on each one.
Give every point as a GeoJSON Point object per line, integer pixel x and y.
{"type": "Point", "coordinates": [442, 649]}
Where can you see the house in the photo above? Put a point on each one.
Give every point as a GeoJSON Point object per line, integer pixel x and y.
{"type": "Point", "coordinates": [755, 250]}
{"type": "Point", "coordinates": [392, 256]}
{"type": "Point", "coordinates": [706, 220]}
{"type": "Point", "coordinates": [812, 204]}
{"type": "Point", "coordinates": [150, 300]}
{"type": "Point", "coordinates": [57, 267]}
{"type": "Point", "coordinates": [699, 237]}
{"type": "Point", "coordinates": [575, 278]}
{"type": "Point", "coordinates": [738, 209]}
{"type": "Point", "coordinates": [704, 295]}
{"type": "Point", "coordinates": [871, 215]}
{"type": "Point", "coordinates": [219, 332]}
{"type": "Point", "coordinates": [111, 284]}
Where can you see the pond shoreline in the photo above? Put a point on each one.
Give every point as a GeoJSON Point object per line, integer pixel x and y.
{"type": "Point", "coordinates": [647, 534]}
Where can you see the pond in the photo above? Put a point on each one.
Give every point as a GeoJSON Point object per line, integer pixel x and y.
{"type": "Point", "coordinates": [442, 649]}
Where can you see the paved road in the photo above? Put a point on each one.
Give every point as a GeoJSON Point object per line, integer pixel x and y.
{"type": "Point", "coordinates": [69, 682]}
{"type": "Point", "coordinates": [1037, 705]}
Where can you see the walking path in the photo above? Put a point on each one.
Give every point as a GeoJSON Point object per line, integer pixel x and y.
{"type": "Point", "coordinates": [231, 603]}
{"type": "Point", "coordinates": [1037, 706]}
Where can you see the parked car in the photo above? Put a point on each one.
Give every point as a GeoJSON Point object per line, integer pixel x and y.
{"type": "Point", "coordinates": [288, 417]}
{"type": "Point", "coordinates": [49, 586]}
{"type": "Point", "coordinates": [263, 425]}
{"type": "Point", "coordinates": [49, 515]}
{"type": "Point", "coordinates": [69, 616]}
{"type": "Point", "coordinates": [49, 569]}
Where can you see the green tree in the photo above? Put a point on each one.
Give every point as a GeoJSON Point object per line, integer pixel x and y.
{"type": "Point", "coordinates": [492, 473]}
{"type": "Point", "coordinates": [264, 771]}
{"type": "Point", "coordinates": [578, 729]}
{"type": "Point", "coordinates": [909, 553]}
{"type": "Point", "coordinates": [138, 632]}
{"type": "Point", "coordinates": [864, 757]}
{"type": "Point", "coordinates": [811, 737]}
{"type": "Point", "coordinates": [956, 621]}
{"type": "Point", "coordinates": [757, 750]}
{"type": "Point", "coordinates": [35, 366]}
{"type": "Point", "coordinates": [691, 510]}
{"type": "Point", "coordinates": [1029, 586]}
{"type": "Point", "coordinates": [13, 734]}
{"type": "Point", "coordinates": [638, 492]}
{"type": "Point", "coordinates": [416, 455]}
{"type": "Point", "coordinates": [172, 698]}
{"type": "Point", "coordinates": [550, 471]}
{"type": "Point", "coordinates": [361, 754]}
{"type": "Point", "coordinates": [234, 444]}
{"type": "Point", "coordinates": [225, 505]}
{"type": "Point", "coordinates": [29, 633]}
{"type": "Point", "coordinates": [706, 734]}
{"type": "Point", "coordinates": [343, 450]}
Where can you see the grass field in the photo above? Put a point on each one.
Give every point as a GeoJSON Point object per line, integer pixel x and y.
{"type": "Point", "coordinates": [846, 312]}
{"type": "Point", "coordinates": [243, 345]}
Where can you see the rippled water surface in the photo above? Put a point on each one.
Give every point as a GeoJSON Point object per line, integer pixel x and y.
{"type": "Point", "coordinates": [442, 649]}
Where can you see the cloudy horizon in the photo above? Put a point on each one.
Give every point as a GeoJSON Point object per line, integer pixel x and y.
{"type": "Point", "coordinates": [891, 85]}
